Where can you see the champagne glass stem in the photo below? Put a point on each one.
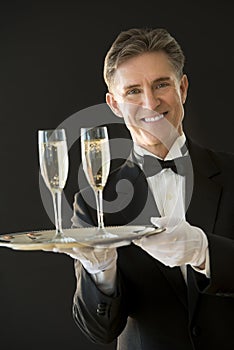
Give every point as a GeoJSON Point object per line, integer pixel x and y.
{"type": "Point", "coordinates": [57, 197]}
{"type": "Point", "coordinates": [99, 200]}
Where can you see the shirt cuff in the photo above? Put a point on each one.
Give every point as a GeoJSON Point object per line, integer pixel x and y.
{"type": "Point", "coordinates": [105, 280]}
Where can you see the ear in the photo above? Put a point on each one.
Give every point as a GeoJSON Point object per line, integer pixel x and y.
{"type": "Point", "coordinates": [184, 87]}
{"type": "Point", "coordinates": [113, 104]}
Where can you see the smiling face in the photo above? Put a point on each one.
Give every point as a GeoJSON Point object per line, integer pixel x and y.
{"type": "Point", "coordinates": [148, 94]}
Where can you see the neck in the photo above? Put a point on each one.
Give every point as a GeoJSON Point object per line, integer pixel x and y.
{"type": "Point", "coordinates": [162, 150]}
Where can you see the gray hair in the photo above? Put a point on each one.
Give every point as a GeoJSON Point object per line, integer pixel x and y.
{"type": "Point", "coordinates": [136, 41]}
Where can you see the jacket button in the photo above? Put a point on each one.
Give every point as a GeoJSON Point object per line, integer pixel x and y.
{"type": "Point", "coordinates": [196, 331]}
{"type": "Point", "coordinates": [101, 309]}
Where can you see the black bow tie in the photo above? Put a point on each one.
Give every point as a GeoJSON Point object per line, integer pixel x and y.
{"type": "Point", "coordinates": [153, 165]}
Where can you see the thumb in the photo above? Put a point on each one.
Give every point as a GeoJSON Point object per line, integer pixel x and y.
{"type": "Point", "coordinates": [159, 221]}
{"type": "Point", "coordinates": [167, 222]}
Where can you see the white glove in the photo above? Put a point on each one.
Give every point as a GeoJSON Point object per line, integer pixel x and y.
{"type": "Point", "coordinates": [94, 260]}
{"type": "Point", "coordinates": [180, 244]}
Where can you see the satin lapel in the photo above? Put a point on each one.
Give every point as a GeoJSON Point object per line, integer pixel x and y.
{"type": "Point", "coordinates": [206, 193]}
{"type": "Point", "coordinates": [202, 211]}
{"type": "Point", "coordinates": [128, 199]}
{"type": "Point", "coordinates": [176, 280]}
{"type": "Point", "coordinates": [204, 203]}
{"type": "Point", "coordinates": [141, 204]}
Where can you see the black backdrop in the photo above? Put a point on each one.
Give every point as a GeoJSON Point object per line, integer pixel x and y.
{"type": "Point", "coordinates": [51, 57]}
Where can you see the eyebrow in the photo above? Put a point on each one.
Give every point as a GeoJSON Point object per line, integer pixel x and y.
{"type": "Point", "coordinates": [154, 81]}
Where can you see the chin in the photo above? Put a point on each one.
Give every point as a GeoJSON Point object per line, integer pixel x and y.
{"type": "Point", "coordinates": [146, 143]}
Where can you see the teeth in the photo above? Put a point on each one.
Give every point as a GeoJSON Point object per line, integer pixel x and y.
{"type": "Point", "coordinates": [154, 119]}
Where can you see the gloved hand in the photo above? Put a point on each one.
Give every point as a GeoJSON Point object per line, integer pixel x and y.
{"type": "Point", "coordinates": [180, 244]}
{"type": "Point", "coordinates": [94, 260]}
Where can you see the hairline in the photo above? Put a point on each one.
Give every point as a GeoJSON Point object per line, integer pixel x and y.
{"type": "Point", "coordinates": [122, 60]}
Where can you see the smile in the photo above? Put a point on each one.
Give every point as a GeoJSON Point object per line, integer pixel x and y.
{"type": "Point", "coordinates": [153, 119]}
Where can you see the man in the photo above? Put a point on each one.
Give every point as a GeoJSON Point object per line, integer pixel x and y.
{"type": "Point", "coordinates": [173, 290]}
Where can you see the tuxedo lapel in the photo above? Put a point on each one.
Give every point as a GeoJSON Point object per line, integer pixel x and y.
{"type": "Point", "coordinates": [176, 280]}
{"type": "Point", "coordinates": [203, 197]}
{"type": "Point", "coordinates": [143, 203]}
{"type": "Point", "coordinates": [202, 210]}
{"type": "Point", "coordinates": [130, 197]}
{"type": "Point", "coordinates": [206, 193]}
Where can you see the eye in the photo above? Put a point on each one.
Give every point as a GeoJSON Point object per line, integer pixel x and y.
{"type": "Point", "coordinates": [162, 85]}
{"type": "Point", "coordinates": [133, 92]}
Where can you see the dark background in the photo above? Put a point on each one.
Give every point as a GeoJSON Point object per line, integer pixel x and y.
{"type": "Point", "coordinates": [51, 58]}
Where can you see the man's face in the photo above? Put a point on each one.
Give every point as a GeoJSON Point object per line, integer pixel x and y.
{"type": "Point", "coordinates": [147, 93]}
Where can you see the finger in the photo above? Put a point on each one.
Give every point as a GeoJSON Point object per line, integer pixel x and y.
{"type": "Point", "coordinates": [168, 222]}
{"type": "Point", "coordinates": [137, 242]}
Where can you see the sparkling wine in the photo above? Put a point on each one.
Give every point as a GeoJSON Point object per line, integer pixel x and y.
{"type": "Point", "coordinates": [96, 162]}
{"type": "Point", "coordinates": [54, 164]}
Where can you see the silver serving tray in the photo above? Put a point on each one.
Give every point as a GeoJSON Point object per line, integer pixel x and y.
{"type": "Point", "coordinates": [43, 239]}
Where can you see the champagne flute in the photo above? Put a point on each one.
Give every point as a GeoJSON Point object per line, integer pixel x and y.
{"type": "Point", "coordinates": [95, 152]}
{"type": "Point", "coordinates": [53, 157]}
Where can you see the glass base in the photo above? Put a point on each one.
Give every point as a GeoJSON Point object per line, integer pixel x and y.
{"type": "Point", "coordinates": [59, 238]}
{"type": "Point", "coordinates": [101, 233]}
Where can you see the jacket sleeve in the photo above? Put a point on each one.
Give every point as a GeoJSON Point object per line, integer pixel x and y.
{"type": "Point", "coordinates": [100, 317]}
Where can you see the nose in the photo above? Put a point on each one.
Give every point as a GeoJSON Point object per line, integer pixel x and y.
{"type": "Point", "coordinates": [150, 100]}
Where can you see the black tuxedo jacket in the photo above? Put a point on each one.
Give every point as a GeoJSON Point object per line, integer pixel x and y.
{"type": "Point", "coordinates": [153, 308]}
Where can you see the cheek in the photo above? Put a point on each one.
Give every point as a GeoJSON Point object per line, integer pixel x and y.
{"type": "Point", "coordinates": [177, 106]}
{"type": "Point", "coordinates": [174, 98]}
